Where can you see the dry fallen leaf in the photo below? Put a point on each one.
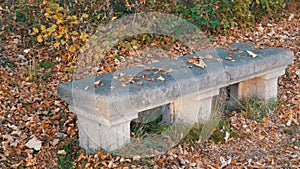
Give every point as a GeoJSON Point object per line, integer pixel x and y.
{"type": "Point", "coordinates": [26, 50]}
{"type": "Point", "coordinates": [34, 143]}
{"type": "Point", "coordinates": [200, 63]}
{"type": "Point", "coordinates": [251, 54]}
{"type": "Point", "coordinates": [160, 78]}
{"type": "Point", "coordinates": [140, 83]}
{"type": "Point", "coordinates": [97, 83]}
{"type": "Point", "coordinates": [163, 69]}
{"type": "Point", "coordinates": [234, 49]}
{"type": "Point", "coordinates": [136, 158]}
{"type": "Point", "coordinates": [256, 47]}
{"type": "Point", "coordinates": [209, 57]}
{"type": "Point", "coordinates": [228, 58]}
{"type": "Point", "coordinates": [61, 152]}
{"type": "Point", "coordinates": [151, 80]}
{"type": "Point", "coordinates": [227, 135]}
{"type": "Point", "coordinates": [149, 68]}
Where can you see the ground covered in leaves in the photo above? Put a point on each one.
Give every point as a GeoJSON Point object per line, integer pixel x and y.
{"type": "Point", "coordinates": [38, 131]}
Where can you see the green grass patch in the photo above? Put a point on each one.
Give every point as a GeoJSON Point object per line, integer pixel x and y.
{"type": "Point", "coordinates": [65, 161]}
{"type": "Point", "coordinates": [256, 109]}
{"type": "Point", "coordinates": [46, 64]}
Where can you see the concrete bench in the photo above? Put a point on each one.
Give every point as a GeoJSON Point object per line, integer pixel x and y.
{"type": "Point", "coordinates": [105, 112]}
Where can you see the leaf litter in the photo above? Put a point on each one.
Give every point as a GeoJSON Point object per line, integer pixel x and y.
{"type": "Point", "coordinates": [34, 119]}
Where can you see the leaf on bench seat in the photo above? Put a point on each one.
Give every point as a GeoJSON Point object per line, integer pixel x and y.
{"type": "Point", "coordinates": [160, 78]}
{"type": "Point", "coordinates": [97, 83]}
{"type": "Point", "coordinates": [234, 49]}
{"type": "Point", "coordinates": [209, 57]}
{"type": "Point", "coordinates": [197, 61]}
{"type": "Point", "coordinates": [251, 54]}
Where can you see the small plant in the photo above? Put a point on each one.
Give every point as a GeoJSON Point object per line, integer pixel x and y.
{"type": "Point", "coordinates": [256, 109]}
{"type": "Point", "coordinates": [35, 70]}
{"type": "Point", "coordinates": [141, 130]}
{"type": "Point", "coordinates": [296, 143]}
{"type": "Point", "coordinates": [65, 160]}
{"type": "Point", "coordinates": [6, 62]}
{"type": "Point", "coordinates": [46, 64]}
{"type": "Point", "coordinates": [290, 130]}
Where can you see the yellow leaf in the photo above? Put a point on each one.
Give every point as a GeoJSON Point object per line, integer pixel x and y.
{"type": "Point", "coordinates": [83, 36]}
{"type": "Point", "coordinates": [74, 32]}
{"type": "Point", "coordinates": [35, 31]}
{"type": "Point", "coordinates": [47, 15]}
{"type": "Point", "coordinates": [74, 22]}
{"type": "Point", "coordinates": [72, 49]}
{"type": "Point", "coordinates": [59, 9]}
{"type": "Point", "coordinates": [59, 21]}
{"type": "Point", "coordinates": [67, 36]}
{"type": "Point", "coordinates": [45, 36]}
{"type": "Point", "coordinates": [56, 44]}
{"type": "Point", "coordinates": [59, 36]}
{"type": "Point", "coordinates": [51, 29]}
{"type": "Point", "coordinates": [43, 28]}
{"type": "Point", "coordinates": [40, 38]}
{"type": "Point", "coordinates": [114, 18]}
{"type": "Point", "coordinates": [84, 15]}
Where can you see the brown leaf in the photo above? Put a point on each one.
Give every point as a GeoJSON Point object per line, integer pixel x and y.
{"type": "Point", "coordinates": [200, 63]}
{"type": "Point", "coordinates": [256, 47]}
{"type": "Point", "coordinates": [228, 58]}
{"type": "Point", "coordinates": [97, 83]}
{"type": "Point", "coordinates": [149, 68]}
{"type": "Point", "coordinates": [234, 49]}
{"type": "Point", "coordinates": [209, 57]}
{"type": "Point", "coordinates": [140, 83]}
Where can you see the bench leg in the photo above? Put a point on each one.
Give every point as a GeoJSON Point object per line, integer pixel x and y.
{"type": "Point", "coordinates": [93, 135]}
{"type": "Point", "coordinates": [167, 117]}
{"type": "Point", "coordinates": [196, 108]}
{"type": "Point", "coordinates": [264, 87]}
{"type": "Point", "coordinates": [233, 102]}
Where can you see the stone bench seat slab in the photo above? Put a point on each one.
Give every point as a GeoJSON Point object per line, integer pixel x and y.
{"type": "Point", "coordinates": [188, 80]}
{"type": "Point", "coordinates": [186, 85]}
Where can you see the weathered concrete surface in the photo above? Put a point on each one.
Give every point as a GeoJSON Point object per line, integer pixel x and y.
{"type": "Point", "coordinates": [264, 87]}
{"type": "Point", "coordinates": [182, 87]}
{"type": "Point", "coordinates": [109, 103]}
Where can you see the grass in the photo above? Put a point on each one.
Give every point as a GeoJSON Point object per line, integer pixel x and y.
{"type": "Point", "coordinates": [35, 70]}
{"type": "Point", "coordinates": [65, 161]}
{"type": "Point", "coordinates": [150, 136]}
{"type": "Point", "coordinates": [256, 109]}
{"type": "Point", "coordinates": [290, 130]}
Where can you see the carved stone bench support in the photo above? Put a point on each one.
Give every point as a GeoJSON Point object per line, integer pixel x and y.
{"type": "Point", "coordinates": [264, 87]}
{"type": "Point", "coordinates": [195, 108]}
{"type": "Point", "coordinates": [94, 133]}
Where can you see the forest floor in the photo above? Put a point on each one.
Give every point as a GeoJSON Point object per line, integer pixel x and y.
{"type": "Point", "coordinates": [31, 112]}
